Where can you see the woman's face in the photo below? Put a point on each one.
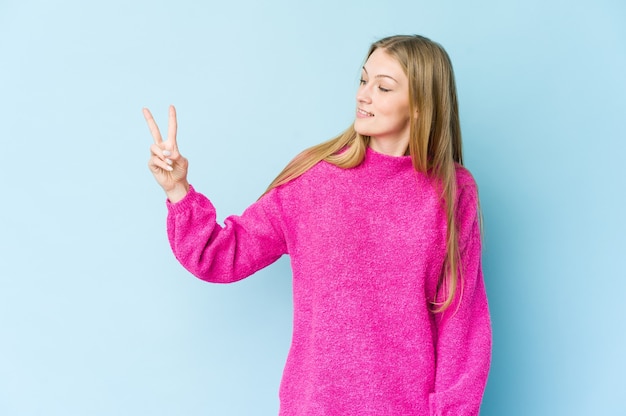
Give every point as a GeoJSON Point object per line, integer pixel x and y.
{"type": "Point", "coordinates": [383, 102]}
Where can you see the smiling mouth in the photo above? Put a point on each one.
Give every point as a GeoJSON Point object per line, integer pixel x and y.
{"type": "Point", "coordinates": [365, 113]}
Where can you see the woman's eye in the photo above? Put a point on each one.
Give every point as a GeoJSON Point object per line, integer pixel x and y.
{"type": "Point", "coordinates": [362, 81]}
{"type": "Point", "coordinates": [383, 89]}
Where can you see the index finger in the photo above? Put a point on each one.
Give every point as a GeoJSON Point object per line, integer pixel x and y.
{"type": "Point", "coordinates": [172, 127]}
{"type": "Point", "coordinates": [154, 129]}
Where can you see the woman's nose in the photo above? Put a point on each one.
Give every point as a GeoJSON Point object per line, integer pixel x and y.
{"type": "Point", "coordinates": [363, 95]}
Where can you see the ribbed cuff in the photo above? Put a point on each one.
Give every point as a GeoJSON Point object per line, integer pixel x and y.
{"type": "Point", "coordinates": [183, 204]}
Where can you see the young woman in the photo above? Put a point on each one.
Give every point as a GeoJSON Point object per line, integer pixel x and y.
{"type": "Point", "coordinates": [382, 227]}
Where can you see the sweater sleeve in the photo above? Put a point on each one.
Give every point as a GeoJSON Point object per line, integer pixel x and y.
{"type": "Point", "coordinates": [463, 347]}
{"type": "Point", "coordinates": [224, 254]}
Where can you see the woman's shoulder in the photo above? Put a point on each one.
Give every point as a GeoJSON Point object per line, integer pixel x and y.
{"type": "Point", "coordinates": [467, 189]}
{"type": "Point", "coordinates": [313, 178]}
{"type": "Point", "coordinates": [464, 177]}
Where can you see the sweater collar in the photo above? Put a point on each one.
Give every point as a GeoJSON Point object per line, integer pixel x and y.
{"type": "Point", "coordinates": [387, 162]}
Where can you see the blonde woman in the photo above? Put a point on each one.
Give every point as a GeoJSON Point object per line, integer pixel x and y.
{"type": "Point", "coordinates": [382, 227]}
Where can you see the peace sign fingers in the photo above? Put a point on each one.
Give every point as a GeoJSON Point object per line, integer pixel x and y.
{"type": "Point", "coordinates": [167, 165]}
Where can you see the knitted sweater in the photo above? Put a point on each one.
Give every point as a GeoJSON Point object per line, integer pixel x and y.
{"type": "Point", "coordinates": [367, 246]}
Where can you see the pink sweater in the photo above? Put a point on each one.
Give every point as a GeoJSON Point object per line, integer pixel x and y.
{"type": "Point", "coordinates": [367, 246]}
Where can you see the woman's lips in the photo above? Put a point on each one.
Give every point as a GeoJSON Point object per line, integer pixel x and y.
{"type": "Point", "coordinates": [360, 113]}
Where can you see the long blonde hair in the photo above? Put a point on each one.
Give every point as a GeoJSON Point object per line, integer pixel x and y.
{"type": "Point", "coordinates": [434, 144]}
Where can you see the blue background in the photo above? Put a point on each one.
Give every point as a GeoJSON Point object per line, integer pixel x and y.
{"type": "Point", "coordinates": [97, 317]}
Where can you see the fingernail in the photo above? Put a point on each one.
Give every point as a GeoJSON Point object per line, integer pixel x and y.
{"type": "Point", "coordinates": [170, 168]}
{"type": "Point", "coordinates": [167, 153]}
{"type": "Point", "coordinates": [168, 161]}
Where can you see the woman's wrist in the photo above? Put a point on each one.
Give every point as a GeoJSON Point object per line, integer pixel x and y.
{"type": "Point", "coordinates": [178, 192]}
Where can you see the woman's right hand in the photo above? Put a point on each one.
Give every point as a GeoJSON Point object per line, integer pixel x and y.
{"type": "Point", "coordinates": [167, 165]}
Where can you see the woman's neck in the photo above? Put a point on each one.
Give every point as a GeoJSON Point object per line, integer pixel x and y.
{"type": "Point", "coordinates": [390, 147]}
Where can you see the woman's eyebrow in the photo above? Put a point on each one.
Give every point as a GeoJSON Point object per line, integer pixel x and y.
{"type": "Point", "coordinates": [382, 76]}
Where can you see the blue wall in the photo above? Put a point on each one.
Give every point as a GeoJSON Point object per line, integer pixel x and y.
{"type": "Point", "coordinates": [96, 316]}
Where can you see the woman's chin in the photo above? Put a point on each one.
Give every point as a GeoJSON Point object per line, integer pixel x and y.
{"type": "Point", "coordinates": [358, 127]}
